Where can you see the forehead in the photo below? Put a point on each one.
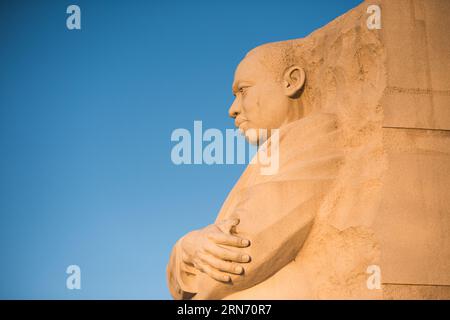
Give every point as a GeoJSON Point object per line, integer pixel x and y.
{"type": "Point", "coordinates": [250, 69]}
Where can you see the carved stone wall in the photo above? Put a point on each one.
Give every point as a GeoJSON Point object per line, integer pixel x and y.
{"type": "Point", "coordinates": [413, 223]}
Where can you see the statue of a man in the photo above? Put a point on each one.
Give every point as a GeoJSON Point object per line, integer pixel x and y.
{"type": "Point", "coordinates": [359, 171]}
{"type": "Point", "coordinates": [265, 219]}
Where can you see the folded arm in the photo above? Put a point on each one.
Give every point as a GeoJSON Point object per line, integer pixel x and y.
{"type": "Point", "coordinates": [277, 217]}
{"type": "Point", "coordinates": [213, 251]}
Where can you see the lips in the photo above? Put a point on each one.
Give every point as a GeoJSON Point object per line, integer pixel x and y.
{"type": "Point", "coordinates": [239, 122]}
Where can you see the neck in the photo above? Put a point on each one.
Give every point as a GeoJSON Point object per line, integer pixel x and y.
{"type": "Point", "coordinates": [297, 110]}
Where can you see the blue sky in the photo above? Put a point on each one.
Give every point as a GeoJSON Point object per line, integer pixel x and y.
{"type": "Point", "coordinates": [85, 123]}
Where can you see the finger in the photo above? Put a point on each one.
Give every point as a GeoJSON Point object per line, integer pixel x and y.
{"type": "Point", "coordinates": [189, 268]}
{"type": "Point", "coordinates": [226, 225]}
{"type": "Point", "coordinates": [226, 254]}
{"type": "Point", "coordinates": [228, 239]}
{"type": "Point", "coordinates": [222, 265]}
{"type": "Point", "coordinates": [215, 274]}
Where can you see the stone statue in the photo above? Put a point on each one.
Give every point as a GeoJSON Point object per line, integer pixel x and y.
{"type": "Point", "coordinates": [335, 220]}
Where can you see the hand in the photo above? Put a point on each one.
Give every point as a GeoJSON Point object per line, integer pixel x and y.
{"type": "Point", "coordinates": [209, 251]}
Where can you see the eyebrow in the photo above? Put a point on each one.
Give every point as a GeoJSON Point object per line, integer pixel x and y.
{"type": "Point", "coordinates": [237, 84]}
{"type": "Point", "coordinates": [234, 87]}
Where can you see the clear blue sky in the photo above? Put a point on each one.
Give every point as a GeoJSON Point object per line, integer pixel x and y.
{"type": "Point", "coordinates": [85, 122]}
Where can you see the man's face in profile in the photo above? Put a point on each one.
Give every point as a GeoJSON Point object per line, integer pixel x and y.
{"type": "Point", "coordinates": [260, 102]}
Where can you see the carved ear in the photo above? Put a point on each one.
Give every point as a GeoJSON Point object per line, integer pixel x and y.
{"type": "Point", "coordinates": [293, 81]}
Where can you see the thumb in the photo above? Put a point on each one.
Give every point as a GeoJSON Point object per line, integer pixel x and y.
{"type": "Point", "coordinates": [226, 225]}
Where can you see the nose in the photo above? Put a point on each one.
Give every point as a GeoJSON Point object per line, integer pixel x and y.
{"type": "Point", "coordinates": [234, 110]}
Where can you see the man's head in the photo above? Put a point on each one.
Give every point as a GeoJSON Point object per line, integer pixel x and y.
{"type": "Point", "coordinates": [267, 87]}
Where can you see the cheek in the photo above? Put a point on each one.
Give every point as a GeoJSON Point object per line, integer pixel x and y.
{"type": "Point", "coordinates": [265, 111]}
{"type": "Point", "coordinates": [251, 106]}
{"type": "Point", "coordinates": [272, 109]}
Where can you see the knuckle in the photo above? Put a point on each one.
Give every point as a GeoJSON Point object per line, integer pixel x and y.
{"type": "Point", "coordinates": [200, 256]}
{"type": "Point", "coordinates": [222, 265]}
{"type": "Point", "coordinates": [234, 255]}
{"type": "Point", "coordinates": [229, 267]}
{"type": "Point", "coordinates": [237, 241]}
{"type": "Point", "coordinates": [206, 245]}
{"type": "Point", "coordinates": [198, 252]}
{"type": "Point", "coordinates": [216, 237]}
{"type": "Point", "coordinates": [198, 265]}
{"type": "Point", "coordinates": [209, 247]}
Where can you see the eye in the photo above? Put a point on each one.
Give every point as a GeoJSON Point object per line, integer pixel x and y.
{"type": "Point", "coordinates": [243, 90]}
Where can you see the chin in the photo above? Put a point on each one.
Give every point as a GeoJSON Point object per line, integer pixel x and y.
{"type": "Point", "coordinates": [251, 135]}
